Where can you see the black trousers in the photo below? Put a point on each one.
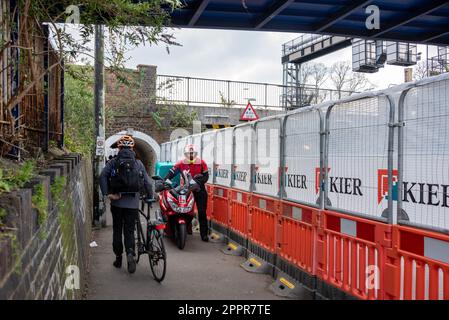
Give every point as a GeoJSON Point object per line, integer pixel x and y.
{"type": "Point", "coordinates": [201, 205]}
{"type": "Point", "coordinates": [123, 221]}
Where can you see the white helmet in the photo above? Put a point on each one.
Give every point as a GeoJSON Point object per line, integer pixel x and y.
{"type": "Point", "coordinates": [190, 152]}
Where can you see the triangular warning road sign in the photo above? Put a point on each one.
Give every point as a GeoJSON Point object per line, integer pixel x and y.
{"type": "Point", "coordinates": [249, 113]}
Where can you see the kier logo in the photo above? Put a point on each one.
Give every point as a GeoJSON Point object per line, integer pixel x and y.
{"type": "Point", "coordinates": [318, 179]}
{"type": "Point", "coordinates": [430, 194]}
{"type": "Point", "coordinates": [382, 185]}
{"type": "Point", "coordinates": [341, 185]}
{"type": "Point", "coordinates": [262, 178]}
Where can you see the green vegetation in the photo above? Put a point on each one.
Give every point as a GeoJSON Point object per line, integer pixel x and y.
{"type": "Point", "coordinates": [10, 234]}
{"type": "Point", "coordinates": [3, 215]}
{"type": "Point", "coordinates": [66, 219]}
{"type": "Point", "coordinates": [57, 187]}
{"type": "Point", "coordinates": [15, 178]}
{"type": "Point", "coordinates": [79, 110]}
{"type": "Point", "coordinates": [40, 203]}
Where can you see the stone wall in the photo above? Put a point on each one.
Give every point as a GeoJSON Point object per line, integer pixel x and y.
{"type": "Point", "coordinates": [38, 256]}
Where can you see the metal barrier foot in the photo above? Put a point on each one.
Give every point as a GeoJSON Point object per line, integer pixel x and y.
{"type": "Point", "coordinates": [285, 286]}
{"type": "Point", "coordinates": [216, 237]}
{"type": "Point", "coordinates": [233, 249]}
{"type": "Point", "coordinates": [256, 265]}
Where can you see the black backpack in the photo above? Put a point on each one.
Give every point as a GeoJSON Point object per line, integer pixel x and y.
{"type": "Point", "coordinates": [126, 177]}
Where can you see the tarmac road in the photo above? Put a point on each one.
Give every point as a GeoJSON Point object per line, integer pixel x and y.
{"type": "Point", "coordinates": [199, 272]}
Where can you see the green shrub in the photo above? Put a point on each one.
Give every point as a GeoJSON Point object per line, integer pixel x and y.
{"type": "Point", "coordinates": [12, 179]}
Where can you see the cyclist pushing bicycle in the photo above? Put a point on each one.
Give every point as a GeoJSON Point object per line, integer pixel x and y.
{"type": "Point", "coordinates": [122, 180]}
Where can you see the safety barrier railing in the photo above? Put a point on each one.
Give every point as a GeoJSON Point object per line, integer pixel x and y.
{"type": "Point", "coordinates": [351, 253]}
{"type": "Point", "coordinates": [297, 235]}
{"type": "Point", "coordinates": [239, 208]}
{"type": "Point", "coordinates": [221, 205]}
{"type": "Point", "coordinates": [263, 220]}
{"type": "Point", "coordinates": [210, 201]}
{"type": "Point", "coordinates": [418, 267]}
{"type": "Point", "coordinates": [353, 193]}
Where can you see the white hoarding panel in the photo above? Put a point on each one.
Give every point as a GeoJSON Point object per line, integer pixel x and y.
{"type": "Point", "coordinates": [196, 140]}
{"type": "Point", "coordinates": [425, 187]}
{"type": "Point", "coordinates": [243, 156]}
{"type": "Point", "coordinates": [358, 157]}
{"type": "Point", "coordinates": [223, 157]}
{"type": "Point", "coordinates": [302, 156]}
{"type": "Point", "coordinates": [267, 157]}
{"type": "Point", "coordinates": [173, 151]}
{"type": "Point", "coordinates": [180, 148]}
{"type": "Point", "coordinates": [207, 152]}
{"type": "Point", "coordinates": [163, 147]}
{"type": "Point", "coordinates": [168, 151]}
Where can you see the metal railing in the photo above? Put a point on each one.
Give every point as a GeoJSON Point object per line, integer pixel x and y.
{"type": "Point", "coordinates": [227, 93]}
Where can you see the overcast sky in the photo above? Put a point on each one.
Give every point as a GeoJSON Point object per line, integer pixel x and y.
{"type": "Point", "coordinates": [238, 55]}
{"type": "Point", "coordinates": [253, 56]}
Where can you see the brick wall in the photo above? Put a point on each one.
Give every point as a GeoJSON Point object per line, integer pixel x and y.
{"type": "Point", "coordinates": [34, 265]}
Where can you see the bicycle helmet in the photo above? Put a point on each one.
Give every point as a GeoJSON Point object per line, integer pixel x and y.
{"type": "Point", "coordinates": [125, 141]}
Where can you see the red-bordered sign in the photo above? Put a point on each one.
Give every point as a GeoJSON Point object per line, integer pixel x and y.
{"type": "Point", "coordinates": [249, 114]}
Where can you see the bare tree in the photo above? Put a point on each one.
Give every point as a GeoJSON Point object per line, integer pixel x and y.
{"type": "Point", "coordinates": [305, 72]}
{"type": "Point", "coordinates": [358, 81]}
{"type": "Point", "coordinates": [342, 78]}
{"type": "Point", "coordinates": [420, 70]}
{"type": "Point", "coordinates": [319, 74]}
{"type": "Point", "coordinates": [339, 75]}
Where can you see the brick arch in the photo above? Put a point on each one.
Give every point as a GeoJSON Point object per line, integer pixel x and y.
{"type": "Point", "coordinates": [145, 145]}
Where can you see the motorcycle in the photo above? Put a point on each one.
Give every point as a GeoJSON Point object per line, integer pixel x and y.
{"type": "Point", "coordinates": [177, 206]}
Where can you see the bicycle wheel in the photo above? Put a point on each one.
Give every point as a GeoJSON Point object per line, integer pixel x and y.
{"type": "Point", "coordinates": [157, 255]}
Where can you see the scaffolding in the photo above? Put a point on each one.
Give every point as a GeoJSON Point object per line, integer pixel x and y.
{"type": "Point", "coordinates": [296, 93]}
{"type": "Point", "coordinates": [368, 55]}
{"type": "Point", "coordinates": [440, 63]}
{"type": "Point", "coordinates": [401, 53]}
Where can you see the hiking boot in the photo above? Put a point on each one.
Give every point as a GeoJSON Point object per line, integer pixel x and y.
{"type": "Point", "coordinates": [118, 262]}
{"type": "Point", "coordinates": [131, 263]}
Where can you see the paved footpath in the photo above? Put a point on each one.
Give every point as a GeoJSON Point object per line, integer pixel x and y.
{"type": "Point", "coordinates": [200, 271]}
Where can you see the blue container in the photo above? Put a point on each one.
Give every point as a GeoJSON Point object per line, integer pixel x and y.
{"type": "Point", "coordinates": [161, 169]}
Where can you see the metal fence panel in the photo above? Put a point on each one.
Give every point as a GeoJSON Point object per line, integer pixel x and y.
{"type": "Point", "coordinates": [357, 176]}
{"type": "Point", "coordinates": [180, 148]}
{"type": "Point", "coordinates": [207, 152]}
{"type": "Point", "coordinates": [425, 171]}
{"type": "Point", "coordinates": [223, 157]}
{"type": "Point", "coordinates": [267, 157]}
{"type": "Point", "coordinates": [173, 151]}
{"type": "Point", "coordinates": [302, 157]}
{"type": "Point", "coordinates": [163, 148]}
{"type": "Point", "coordinates": [196, 140]}
{"type": "Point", "coordinates": [168, 151]}
{"type": "Point", "coordinates": [243, 156]}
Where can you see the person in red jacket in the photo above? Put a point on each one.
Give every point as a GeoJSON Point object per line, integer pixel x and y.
{"type": "Point", "coordinates": [200, 173]}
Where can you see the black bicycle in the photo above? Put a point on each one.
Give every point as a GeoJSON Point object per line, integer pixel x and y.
{"type": "Point", "coordinates": [152, 242]}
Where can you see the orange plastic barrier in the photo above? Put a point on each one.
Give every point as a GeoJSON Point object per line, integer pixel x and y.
{"type": "Point", "coordinates": [221, 205]}
{"type": "Point", "coordinates": [297, 235]}
{"type": "Point", "coordinates": [417, 266]}
{"type": "Point", "coordinates": [350, 253]}
{"type": "Point", "coordinates": [210, 201]}
{"type": "Point", "coordinates": [239, 212]}
{"type": "Point", "coordinates": [264, 213]}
